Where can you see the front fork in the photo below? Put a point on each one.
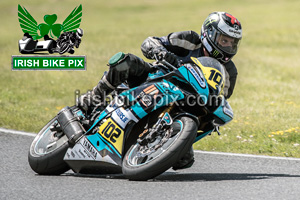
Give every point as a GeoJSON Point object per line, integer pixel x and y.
{"type": "Point", "coordinates": [164, 120]}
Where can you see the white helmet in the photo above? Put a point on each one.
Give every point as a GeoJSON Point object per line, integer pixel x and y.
{"type": "Point", "coordinates": [221, 34]}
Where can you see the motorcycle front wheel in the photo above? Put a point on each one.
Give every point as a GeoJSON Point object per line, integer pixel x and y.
{"type": "Point", "coordinates": [47, 151]}
{"type": "Point", "coordinates": [64, 48]}
{"type": "Point", "coordinates": [145, 162]}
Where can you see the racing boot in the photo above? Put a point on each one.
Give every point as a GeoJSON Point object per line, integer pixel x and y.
{"type": "Point", "coordinates": [186, 161]}
{"type": "Point", "coordinates": [88, 101]}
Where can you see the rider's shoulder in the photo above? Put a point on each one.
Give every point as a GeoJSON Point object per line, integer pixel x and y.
{"type": "Point", "coordinates": [230, 67]}
{"type": "Point", "coordinates": [189, 36]}
{"type": "Point", "coordinates": [184, 35]}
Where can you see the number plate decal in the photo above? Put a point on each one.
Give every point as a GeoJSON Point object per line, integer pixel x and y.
{"type": "Point", "coordinates": [111, 132]}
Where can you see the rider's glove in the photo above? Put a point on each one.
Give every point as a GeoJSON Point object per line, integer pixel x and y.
{"type": "Point", "coordinates": [162, 53]}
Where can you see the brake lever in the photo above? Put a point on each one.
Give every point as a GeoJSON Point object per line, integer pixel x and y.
{"type": "Point", "coordinates": [164, 62]}
{"type": "Point", "coordinates": [168, 64]}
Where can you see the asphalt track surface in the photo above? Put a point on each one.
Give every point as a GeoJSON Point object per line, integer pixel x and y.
{"type": "Point", "coordinates": [213, 176]}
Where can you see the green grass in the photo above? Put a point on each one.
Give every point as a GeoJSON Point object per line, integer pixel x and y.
{"type": "Point", "coordinates": [266, 98]}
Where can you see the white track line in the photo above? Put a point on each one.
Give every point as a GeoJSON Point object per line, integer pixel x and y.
{"type": "Point", "coordinates": [9, 131]}
{"type": "Point", "coordinates": [4, 130]}
{"type": "Point", "coordinates": [246, 155]}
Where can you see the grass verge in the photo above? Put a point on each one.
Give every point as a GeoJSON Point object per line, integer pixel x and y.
{"type": "Point", "coordinates": [266, 99]}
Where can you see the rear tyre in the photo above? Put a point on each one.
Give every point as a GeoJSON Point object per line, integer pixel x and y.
{"type": "Point", "coordinates": [141, 165]}
{"type": "Point", "coordinates": [47, 151]}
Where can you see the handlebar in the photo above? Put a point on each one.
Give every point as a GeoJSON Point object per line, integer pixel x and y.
{"type": "Point", "coordinates": [165, 63]}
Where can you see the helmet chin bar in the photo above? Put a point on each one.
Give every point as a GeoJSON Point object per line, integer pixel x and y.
{"type": "Point", "coordinates": [207, 45]}
{"type": "Point", "coordinates": [214, 51]}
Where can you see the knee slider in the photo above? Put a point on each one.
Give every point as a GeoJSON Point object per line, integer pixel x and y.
{"type": "Point", "coordinates": [116, 59]}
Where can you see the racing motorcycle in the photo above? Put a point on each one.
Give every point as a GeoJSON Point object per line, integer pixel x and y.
{"type": "Point", "coordinates": [65, 46]}
{"type": "Point", "coordinates": [66, 43]}
{"type": "Point", "coordinates": [143, 131]}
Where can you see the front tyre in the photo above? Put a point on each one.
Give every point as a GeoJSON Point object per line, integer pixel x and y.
{"type": "Point", "coordinates": [64, 48]}
{"type": "Point", "coordinates": [47, 151]}
{"type": "Point", "coordinates": [143, 163]}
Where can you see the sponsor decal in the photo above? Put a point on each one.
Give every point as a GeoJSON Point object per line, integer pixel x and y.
{"type": "Point", "coordinates": [81, 153]}
{"type": "Point", "coordinates": [233, 19]}
{"type": "Point", "coordinates": [209, 21]}
{"type": "Point", "coordinates": [236, 27]}
{"type": "Point", "coordinates": [151, 90]}
{"type": "Point", "coordinates": [235, 24]}
{"type": "Point", "coordinates": [146, 99]}
{"type": "Point", "coordinates": [148, 96]}
{"type": "Point", "coordinates": [198, 76]}
{"type": "Point", "coordinates": [216, 53]}
{"type": "Point", "coordinates": [122, 116]}
{"type": "Point", "coordinates": [89, 147]}
{"type": "Point", "coordinates": [235, 31]}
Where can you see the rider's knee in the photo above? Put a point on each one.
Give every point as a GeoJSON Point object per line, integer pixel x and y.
{"type": "Point", "coordinates": [122, 66]}
{"type": "Point", "coordinates": [119, 62]}
{"type": "Point", "coordinates": [123, 62]}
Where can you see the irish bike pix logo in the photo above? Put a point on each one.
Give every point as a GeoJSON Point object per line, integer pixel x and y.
{"type": "Point", "coordinates": [43, 40]}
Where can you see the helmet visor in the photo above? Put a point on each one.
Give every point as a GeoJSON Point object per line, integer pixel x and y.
{"type": "Point", "coordinates": [225, 43]}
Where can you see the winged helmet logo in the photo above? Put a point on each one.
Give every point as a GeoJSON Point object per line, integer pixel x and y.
{"type": "Point", "coordinates": [58, 38]}
{"type": "Point", "coordinates": [29, 24]}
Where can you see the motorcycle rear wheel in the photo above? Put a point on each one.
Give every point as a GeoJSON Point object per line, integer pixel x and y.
{"type": "Point", "coordinates": [47, 151]}
{"type": "Point", "coordinates": [142, 168]}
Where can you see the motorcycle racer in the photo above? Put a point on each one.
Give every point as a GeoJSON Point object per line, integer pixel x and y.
{"type": "Point", "coordinates": [220, 36]}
